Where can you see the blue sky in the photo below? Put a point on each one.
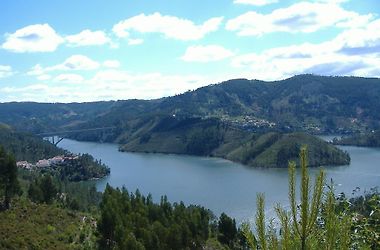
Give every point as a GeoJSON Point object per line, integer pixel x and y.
{"type": "Point", "coordinates": [75, 51]}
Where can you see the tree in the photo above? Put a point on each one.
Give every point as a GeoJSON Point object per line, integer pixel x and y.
{"type": "Point", "coordinates": [9, 185]}
{"type": "Point", "coordinates": [48, 188]}
{"type": "Point", "coordinates": [227, 229]}
{"type": "Point", "coordinates": [304, 224]}
{"type": "Point", "coordinates": [43, 189]}
{"type": "Point", "coordinates": [298, 226]}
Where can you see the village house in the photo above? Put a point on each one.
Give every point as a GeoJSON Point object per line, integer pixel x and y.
{"type": "Point", "coordinates": [43, 163]}
{"type": "Point", "coordinates": [24, 164]}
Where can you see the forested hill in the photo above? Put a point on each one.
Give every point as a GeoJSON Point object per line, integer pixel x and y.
{"type": "Point", "coordinates": [306, 102]}
{"type": "Point", "coordinates": [26, 146]}
{"type": "Point", "coordinates": [210, 137]}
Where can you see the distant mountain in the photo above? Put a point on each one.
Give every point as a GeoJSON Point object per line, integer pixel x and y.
{"type": "Point", "coordinates": [46, 117]}
{"type": "Point", "coordinates": [316, 104]}
{"type": "Point", "coordinates": [210, 137]}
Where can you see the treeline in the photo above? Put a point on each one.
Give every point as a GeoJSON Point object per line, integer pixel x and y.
{"type": "Point", "coordinates": [133, 221]}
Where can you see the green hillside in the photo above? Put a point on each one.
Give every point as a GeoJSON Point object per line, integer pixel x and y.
{"type": "Point", "coordinates": [26, 146]}
{"type": "Point", "coordinates": [210, 137]}
{"type": "Point", "coordinates": [276, 150]}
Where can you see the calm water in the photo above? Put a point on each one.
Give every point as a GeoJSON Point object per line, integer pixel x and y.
{"type": "Point", "coordinates": [218, 184]}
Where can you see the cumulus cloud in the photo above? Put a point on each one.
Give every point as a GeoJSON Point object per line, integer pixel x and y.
{"type": "Point", "coordinates": [353, 52]}
{"type": "Point", "coordinates": [302, 17]}
{"type": "Point", "coordinates": [111, 64]}
{"type": "Point", "coordinates": [112, 84]}
{"type": "Point", "coordinates": [36, 70]}
{"type": "Point", "coordinates": [208, 53]}
{"type": "Point", "coordinates": [77, 62]}
{"type": "Point", "coordinates": [43, 77]}
{"type": "Point", "coordinates": [69, 78]}
{"type": "Point", "coordinates": [135, 41]}
{"type": "Point", "coordinates": [5, 71]}
{"type": "Point", "coordinates": [38, 92]}
{"type": "Point", "coordinates": [170, 26]}
{"type": "Point", "coordinates": [255, 2]}
{"type": "Point", "coordinates": [33, 38]}
{"type": "Point", "coordinates": [74, 62]}
{"type": "Point", "coordinates": [88, 38]}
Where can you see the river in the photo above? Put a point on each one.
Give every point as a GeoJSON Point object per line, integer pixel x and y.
{"type": "Point", "coordinates": [218, 184]}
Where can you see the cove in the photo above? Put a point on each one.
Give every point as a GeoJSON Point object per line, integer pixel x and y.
{"type": "Point", "coordinates": [218, 184]}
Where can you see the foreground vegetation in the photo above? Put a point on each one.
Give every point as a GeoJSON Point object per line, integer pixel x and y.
{"type": "Point", "coordinates": [29, 225]}
{"type": "Point", "coordinates": [320, 220]}
{"type": "Point", "coordinates": [45, 213]}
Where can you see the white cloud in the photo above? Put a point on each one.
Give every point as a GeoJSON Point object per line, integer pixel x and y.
{"type": "Point", "coordinates": [303, 17]}
{"type": "Point", "coordinates": [33, 38]}
{"type": "Point", "coordinates": [74, 62]}
{"type": "Point", "coordinates": [112, 84]}
{"type": "Point", "coordinates": [36, 70]}
{"type": "Point", "coordinates": [40, 93]}
{"type": "Point", "coordinates": [170, 26]}
{"type": "Point", "coordinates": [111, 64]}
{"type": "Point", "coordinates": [135, 41]}
{"type": "Point", "coordinates": [5, 71]}
{"type": "Point", "coordinates": [119, 84]}
{"type": "Point", "coordinates": [353, 52]}
{"type": "Point", "coordinates": [88, 38]}
{"type": "Point", "coordinates": [44, 77]}
{"type": "Point", "coordinates": [332, 1]}
{"type": "Point", "coordinates": [69, 78]}
{"type": "Point", "coordinates": [32, 87]}
{"type": "Point", "coordinates": [206, 53]}
{"type": "Point", "coordinates": [255, 2]}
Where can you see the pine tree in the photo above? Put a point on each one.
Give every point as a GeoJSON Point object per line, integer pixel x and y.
{"type": "Point", "coordinates": [298, 227]}
{"type": "Point", "coordinates": [305, 222]}
{"type": "Point", "coordinates": [9, 185]}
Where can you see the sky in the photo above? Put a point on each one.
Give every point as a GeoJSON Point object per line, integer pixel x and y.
{"type": "Point", "coordinates": [80, 51]}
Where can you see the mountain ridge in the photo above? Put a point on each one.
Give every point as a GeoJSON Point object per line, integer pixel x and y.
{"type": "Point", "coordinates": [317, 104]}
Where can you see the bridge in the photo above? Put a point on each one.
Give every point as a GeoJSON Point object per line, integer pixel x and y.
{"type": "Point", "coordinates": [60, 134]}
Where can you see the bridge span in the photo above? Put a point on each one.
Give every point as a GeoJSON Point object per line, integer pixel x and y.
{"type": "Point", "coordinates": [60, 134]}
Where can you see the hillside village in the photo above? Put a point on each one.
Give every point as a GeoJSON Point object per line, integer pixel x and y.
{"type": "Point", "coordinates": [45, 163]}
